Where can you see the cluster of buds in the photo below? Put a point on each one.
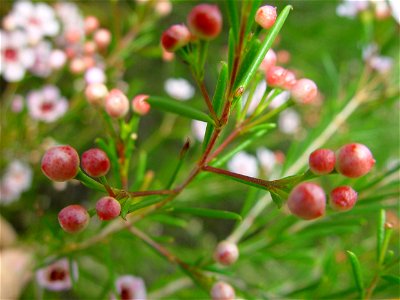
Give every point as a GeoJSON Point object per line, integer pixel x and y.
{"type": "Point", "coordinates": [204, 22]}
{"type": "Point", "coordinates": [61, 163]}
{"type": "Point", "coordinates": [307, 200]}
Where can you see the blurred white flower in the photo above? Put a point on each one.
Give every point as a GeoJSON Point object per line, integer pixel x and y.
{"type": "Point", "coordinates": [71, 18]}
{"type": "Point", "coordinates": [289, 121]}
{"type": "Point", "coordinates": [38, 20]}
{"type": "Point", "coordinates": [163, 8]}
{"type": "Point", "coordinates": [41, 66]}
{"type": "Point", "coordinates": [46, 104]}
{"type": "Point", "coordinates": [16, 180]}
{"type": "Point", "coordinates": [267, 159]}
{"type": "Point", "coordinates": [179, 88]}
{"type": "Point", "coordinates": [382, 64]}
{"type": "Point", "coordinates": [395, 9]}
{"type": "Point", "coordinates": [280, 99]}
{"type": "Point", "coordinates": [244, 164]}
{"type": "Point", "coordinates": [130, 288]}
{"type": "Point", "coordinates": [17, 104]}
{"type": "Point", "coordinates": [199, 129]}
{"type": "Point", "coordinates": [16, 56]}
{"type": "Point", "coordinates": [57, 59]}
{"type": "Point", "coordinates": [350, 8]}
{"type": "Point", "coordinates": [57, 276]}
{"type": "Point", "coordinates": [95, 75]}
{"type": "Point", "coordinates": [257, 96]}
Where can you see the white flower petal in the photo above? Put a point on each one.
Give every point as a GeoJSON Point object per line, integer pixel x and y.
{"type": "Point", "coordinates": [13, 72]}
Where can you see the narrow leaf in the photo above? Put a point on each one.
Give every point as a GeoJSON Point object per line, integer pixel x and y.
{"type": "Point", "coordinates": [357, 274]}
{"type": "Point", "coordinates": [265, 46]}
{"type": "Point", "coordinates": [380, 233]}
{"type": "Point", "coordinates": [277, 199]}
{"type": "Point", "coordinates": [233, 17]}
{"type": "Point", "coordinates": [392, 279]}
{"type": "Point", "coordinates": [253, 50]}
{"type": "Point", "coordinates": [207, 213]}
{"type": "Point", "coordinates": [231, 51]}
{"type": "Point", "coordinates": [140, 171]}
{"type": "Point", "coordinates": [142, 204]}
{"type": "Point", "coordinates": [179, 108]}
{"type": "Point", "coordinates": [89, 182]}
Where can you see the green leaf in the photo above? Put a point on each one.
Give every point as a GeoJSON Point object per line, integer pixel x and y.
{"type": "Point", "coordinates": [392, 279]}
{"type": "Point", "coordinates": [357, 274]}
{"type": "Point", "coordinates": [265, 46]}
{"type": "Point", "coordinates": [233, 16]}
{"type": "Point", "coordinates": [231, 51]}
{"type": "Point", "coordinates": [380, 233]}
{"type": "Point", "coordinates": [142, 204]}
{"type": "Point", "coordinates": [89, 182]}
{"type": "Point", "coordinates": [169, 220]}
{"type": "Point", "coordinates": [140, 171]}
{"type": "Point", "coordinates": [277, 199]}
{"type": "Point", "coordinates": [179, 108]}
{"type": "Point", "coordinates": [218, 100]}
{"type": "Point", "coordinates": [207, 213]}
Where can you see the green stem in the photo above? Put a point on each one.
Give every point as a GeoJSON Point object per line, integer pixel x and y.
{"type": "Point", "coordinates": [89, 182]}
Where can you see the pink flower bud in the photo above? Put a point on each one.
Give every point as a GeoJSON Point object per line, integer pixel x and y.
{"type": "Point", "coordinates": [343, 198]}
{"type": "Point", "coordinates": [89, 47]}
{"type": "Point", "coordinates": [73, 36]}
{"type": "Point", "coordinates": [88, 62]}
{"type": "Point", "coordinates": [266, 16]}
{"type": "Point", "coordinates": [60, 163]}
{"type": "Point", "coordinates": [354, 160]}
{"type": "Point", "coordinates": [77, 65]}
{"type": "Point", "coordinates": [205, 21]}
{"type": "Point", "coordinates": [116, 104]}
{"type": "Point", "coordinates": [108, 208]}
{"type": "Point", "coordinates": [73, 218]}
{"type": "Point", "coordinates": [304, 91]}
{"type": "Point", "coordinates": [163, 8]}
{"type": "Point", "coordinates": [91, 23]}
{"type": "Point", "coordinates": [96, 93]}
{"type": "Point", "coordinates": [175, 37]}
{"type": "Point", "coordinates": [95, 162]}
{"type": "Point", "coordinates": [322, 161]}
{"type": "Point", "coordinates": [276, 76]}
{"type": "Point", "coordinates": [102, 38]}
{"type": "Point", "coordinates": [283, 56]}
{"type": "Point", "coordinates": [167, 56]}
{"type": "Point", "coordinates": [140, 105]}
{"type": "Point", "coordinates": [307, 201]}
{"type": "Point", "coordinates": [222, 291]}
{"type": "Point", "coordinates": [289, 80]}
{"type": "Point", "coordinates": [226, 253]}
{"type": "Point", "coordinates": [268, 61]}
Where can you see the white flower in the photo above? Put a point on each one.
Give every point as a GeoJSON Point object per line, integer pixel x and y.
{"type": "Point", "coordinates": [244, 164]}
{"type": "Point", "coordinates": [179, 88]}
{"type": "Point", "coordinates": [46, 104]}
{"type": "Point", "coordinates": [199, 129]}
{"type": "Point", "coordinates": [130, 288]}
{"type": "Point", "coordinates": [57, 59]}
{"type": "Point", "coordinates": [95, 75]}
{"type": "Point", "coordinates": [382, 64]}
{"type": "Point", "coordinates": [289, 121]}
{"type": "Point", "coordinates": [71, 18]}
{"type": "Point", "coordinates": [395, 6]}
{"type": "Point", "coordinates": [350, 8]}
{"type": "Point", "coordinates": [16, 180]}
{"type": "Point", "coordinates": [280, 99]}
{"type": "Point", "coordinates": [41, 66]}
{"type": "Point", "coordinates": [16, 56]}
{"type": "Point", "coordinates": [37, 20]}
{"type": "Point", "coordinates": [267, 159]}
{"type": "Point", "coordinates": [257, 96]}
{"type": "Point", "coordinates": [57, 276]}
{"type": "Point", "coordinates": [163, 8]}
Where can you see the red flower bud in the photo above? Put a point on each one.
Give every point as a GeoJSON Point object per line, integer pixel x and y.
{"type": "Point", "coordinates": [354, 160]}
{"type": "Point", "coordinates": [322, 161]}
{"type": "Point", "coordinates": [175, 37]}
{"type": "Point", "coordinates": [304, 91]}
{"type": "Point", "coordinates": [276, 76]}
{"type": "Point", "coordinates": [226, 253]}
{"type": "Point", "coordinates": [140, 105]}
{"type": "Point", "coordinates": [205, 21]}
{"type": "Point", "coordinates": [73, 218]}
{"type": "Point", "coordinates": [60, 163]}
{"type": "Point", "coordinates": [266, 16]}
{"type": "Point", "coordinates": [108, 208]}
{"type": "Point", "coordinates": [343, 198]}
{"type": "Point", "coordinates": [95, 162]}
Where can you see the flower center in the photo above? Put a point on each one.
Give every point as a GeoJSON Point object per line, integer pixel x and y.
{"type": "Point", "coordinates": [47, 106]}
{"type": "Point", "coordinates": [34, 21]}
{"type": "Point", "coordinates": [125, 293]}
{"type": "Point", "coordinates": [10, 54]}
{"type": "Point", "coordinates": [57, 275]}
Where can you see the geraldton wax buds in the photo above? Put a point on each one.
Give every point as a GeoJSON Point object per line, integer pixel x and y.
{"type": "Point", "coordinates": [140, 104]}
{"type": "Point", "coordinates": [343, 198]}
{"type": "Point", "coordinates": [108, 208]}
{"type": "Point", "coordinates": [60, 163]}
{"type": "Point", "coordinates": [307, 200]}
{"type": "Point", "coordinates": [116, 104]}
{"type": "Point", "coordinates": [226, 253]}
{"type": "Point", "coordinates": [73, 218]}
{"type": "Point", "coordinates": [205, 21]}
{"type": "Point", "coordinates": [266, 16]}
{"type": "Point", "coordinates": [95, 162]}
{"type": "Point", "coordinates": [175, 37]}
{"type": "Point", "coordinates": [354, 160]}
{"type": "Point", "coordinates": [222, 291]}
{"type": "Point", "coordinates": [322, 161]}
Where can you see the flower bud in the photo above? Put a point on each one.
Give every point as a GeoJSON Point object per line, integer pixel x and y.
{"type": "Point", "coordinates": [304, 91]}
{"type": "Point", "coordinates": [140, 105]}
{"type": "Point", "coordinates": [276, 76]}
{"type": "Point", "coordinates": [289, 80]}
{"type": "Point", "coordinates": [95, 162]}
{"type": "Point", "coordinates": [343, 198]}
{"type": "Point", "coordinates": [116, 104]}
{"type": "Point", "coordinates": [89, 47]}
{"type": "Point", "coordinates": [222, 291]}
{"type": "Point", "coordinates": [205, 21]}
{"type": "Point", "coordinates": [73, 218]}
{"type": "Point", "coordinates": [322, 161]}
{"type": "Point", "coordinates": [307, 201]}
{"type": "Point", "coordinates": [96, 93]}
{"type": "Point", "coordinates": [102, 38]}
{"type": "Point", "coordinates": [175, 37]}
{"type": "Point", "coordinates": [268, 61]}
{"type": "Point", "coordinates": [77, 65]}
{"type": "Point", "coordinates": [266, 16]}
{"type": "Point", "coordinates": [91, 23]}
{"type": "Point", "coordinates": [226, 253]}
{"type": "Point", "coordinates": [57, 59]}
{"type": "Point", "coordinates": [354, 160]}
{"type": "Point", "coordinates": [108, 208]}
{"type": "Point", "coordinates": [60, 163]}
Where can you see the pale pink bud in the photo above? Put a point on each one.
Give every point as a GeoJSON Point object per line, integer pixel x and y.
{"type": "Point", "coordinates": [140, 105]}
{"type": "Point", "coordinates": [57, 59]}
{"type": "Point", "coordinates": [9, 22]}
{"type": "Point", "coordinates": [226, 253]}
{"type": "Point", "coordinates": [73, 36]}
{"type": "Point", "coordinates": [266, 16]}
{"type": "Point", "coordinates": [77, 65]}
{"type": "Point", "coordinates": [108, 208]}
{"type": "Point", "coordinates": [89, 47]}
{"type": "Point", "coordinates": [116, 104]}
{"type": "Point", "coordinates": [102, 37]}
{"type": "Point", "coordinates": [283, 56]}
{"type": "Point", "coordinates": [163, 8]}
{"type": "Point", "coordinates": [269, 60]}
{"type": "Point", "coordinates": [91, 23]}
{"type": "Point", "coordinates": [276, 76]}
{"type": "Point", "coordinates": [96, 93]}
{"type": "Point", "coordinates": [305, 91]}
{"type": "Point", "coordinates": [175, 37]}
{"type": "Point", "coordinates": [89, 62]}
{"type": "Point", "coordinates": [289, 80]}
{"type": "Point", "coordinates": [222, 291]}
